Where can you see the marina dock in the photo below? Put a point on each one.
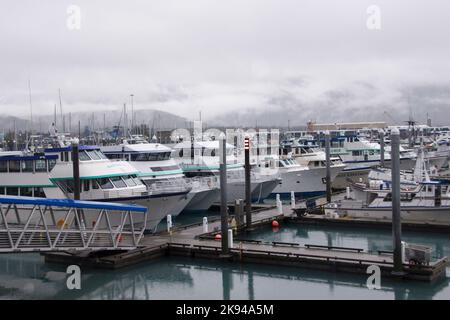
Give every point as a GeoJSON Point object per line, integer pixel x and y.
{"type": "Point", "coordinates": [191, 241]}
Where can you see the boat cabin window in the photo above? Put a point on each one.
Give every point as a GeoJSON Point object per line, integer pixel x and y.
{"type": "Point", "coordinates": [166, 168]}
{"type": "Point", "coordinates": [26, 192]}
{"type": "Point", "coordinates": [12, 191]}
{"type": "Point", "coordinates": [404, 197]}
{"type": "Point", "coordinates": [14, 166]}
{"type": "Point", "coordinates": [83, 156]}
{"type": "Point", "coordinates": [85, 185]}
{"type": "Point", "coordinates": [40, 165]}
{"type": "Point", "coordinates": [129, 181]}
{"type": "Point", "coordinates": [3, 166]}
{"type": "Point", "coordinates": [93, 155]}
{"type": "Point", "coordinates": [105, 183]}
{"type": "Point", "coordinates": [39, 192]}
{"type": "Point", "coordinates": [114, 156]}
{"type": "Point", "coordinates": [153, 156]}
{"type": "Point", "coordinates": [118, 182]}
{"type": "Point", "coordinates": [51, 164]}
{"type": "Point", "coordinates": [27, 166]}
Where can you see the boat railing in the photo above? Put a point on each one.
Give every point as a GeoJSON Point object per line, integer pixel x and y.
{"type": "Point", "coordinates": [168, 186]}
{"type": "Point", "coordinates": [210, 182]}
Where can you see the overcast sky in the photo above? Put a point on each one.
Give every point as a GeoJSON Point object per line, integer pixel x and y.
{"type": "Point", "coordinates": [218, 56]}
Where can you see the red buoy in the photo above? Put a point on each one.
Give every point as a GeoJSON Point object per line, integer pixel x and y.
{"type": "Point", "coordinates": [218, 237]}
{"type": "Point", "coordinates": [275, 224]}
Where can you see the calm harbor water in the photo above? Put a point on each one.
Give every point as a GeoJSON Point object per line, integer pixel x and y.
{"type": "Point", "coordinates": [25, 276]}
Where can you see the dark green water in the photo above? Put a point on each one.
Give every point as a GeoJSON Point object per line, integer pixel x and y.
{"type": "Point", "coordinates": [26, 276]}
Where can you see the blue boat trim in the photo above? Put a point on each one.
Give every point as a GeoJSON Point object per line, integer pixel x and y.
{"type": "Point", "coordinates": [69, 203]}
{"type": "Point", "coordinates": [28, 158]}
{"type": "Point", "coordinates": [69, 148]}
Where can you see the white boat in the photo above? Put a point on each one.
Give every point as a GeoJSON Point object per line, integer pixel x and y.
{"type": "Point", "coordinates": [112, 181]}
{"type": "Point", "coordinates": [307, 153]}
{"type": "Point", "coordinates": [360, 155]}
{"type": "Point", "coordinates": [300, 179]}
{"type": "Point", "coordinates": [201, 159]}
{"type": "Point", "coordinates": [155, 164]}
{"type": "Point", "coordinates": [428, 202]}
{"type": "Point", "coordinates": [28, 174]}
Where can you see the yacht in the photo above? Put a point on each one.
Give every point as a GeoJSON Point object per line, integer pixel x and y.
{"type": "Point", "coordinates": [201, 159]}
{"type": "Point", "coordinates": [429, 201]}
{"type": "Point", "coordinates": [302, 180]}
{"type": "Point", "coordinates": [360, 156]}
{"type": "Point", "coordinates": [113, 181]}
{"type": "Point", "coordinates": [155, 164]}
{"type": "Point", "coordinates": [307, 152]}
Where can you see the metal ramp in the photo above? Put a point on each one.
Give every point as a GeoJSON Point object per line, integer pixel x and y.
{"type": "Point", "coordinates": [39, 224]}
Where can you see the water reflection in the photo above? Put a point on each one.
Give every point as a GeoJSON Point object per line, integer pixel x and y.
{"type": "Point", "coordinates": [26, 275]}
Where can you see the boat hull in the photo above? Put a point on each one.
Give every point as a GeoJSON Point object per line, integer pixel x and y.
{"type": "Point", "coordinates": [203, 200]}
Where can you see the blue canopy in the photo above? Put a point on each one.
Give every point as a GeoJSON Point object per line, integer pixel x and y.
{"type": "Point", "coordinates": [69, 203]}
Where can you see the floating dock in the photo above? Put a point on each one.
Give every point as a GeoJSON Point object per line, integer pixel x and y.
{"type": "Point", "coordinates": [191, 241]}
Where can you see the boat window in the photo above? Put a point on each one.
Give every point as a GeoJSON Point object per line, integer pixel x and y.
{"type": "Point", "coordinates": [27, 166]}
{"type": "Point", "coordinates": [2, 190]}
{"type": "Point", "coordinates": [14, 166]}
{"type": "Point", "coordinates": [115, 156]}
{"type": "Point", "coordinates": [51, 164]}
{"type": "Point", "coordinates": [101, 155]}
{"type": "Point", "coordinates": [12, 191]}
{"type": "Point", "coordinates": [93, 155]}
{"type": "Point", "coordinates": [105, 183]}
{"type": "Point", "coordinates": [95, 185]}
{"type": "Point", "coordinates": [85, 185]}
{"type": "Point", "coordinates": [39, 192]}
{"type": "Point", "coordinates": [129, 181]}
{"type": "Point", "coordinates": [3, 166]}
{"type": "Point", "coordinates": [118, 182]}
{"type": "Point", "coordinates": [68, 186]}
{"type": "Point", "coordinates": [137, 181]}
{"type": "Point", "coordinates": [66, 156]}
{"type": "Point", "coordinates": [154, 156]}
{"type": "Point", "coordinates": [84, 156]}
{"type": "Point", "coordinates": [40, 165]}
{"type": "Point", "coordinates": [166, 168]}
{"type": "Point", "coordinates": [26, 192]}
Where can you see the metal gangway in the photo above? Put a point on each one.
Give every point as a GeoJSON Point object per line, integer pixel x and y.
{"type": "Point", "coordinates": [30, 224]}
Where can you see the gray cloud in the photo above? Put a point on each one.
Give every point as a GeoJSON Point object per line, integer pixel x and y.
{"type": "Point", "coordinates": [297, 59]}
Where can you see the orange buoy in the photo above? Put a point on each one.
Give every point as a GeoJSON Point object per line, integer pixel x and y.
{"type": "Point", "coordinates": [275, 224]}
{"type": "Point", "coordinates": [218, 237]}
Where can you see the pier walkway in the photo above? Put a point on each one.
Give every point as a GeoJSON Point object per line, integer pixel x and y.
{"type": "Point", "coordinates": [191, 241]}
{"type": "Point", "coordinates": [41, 224]}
